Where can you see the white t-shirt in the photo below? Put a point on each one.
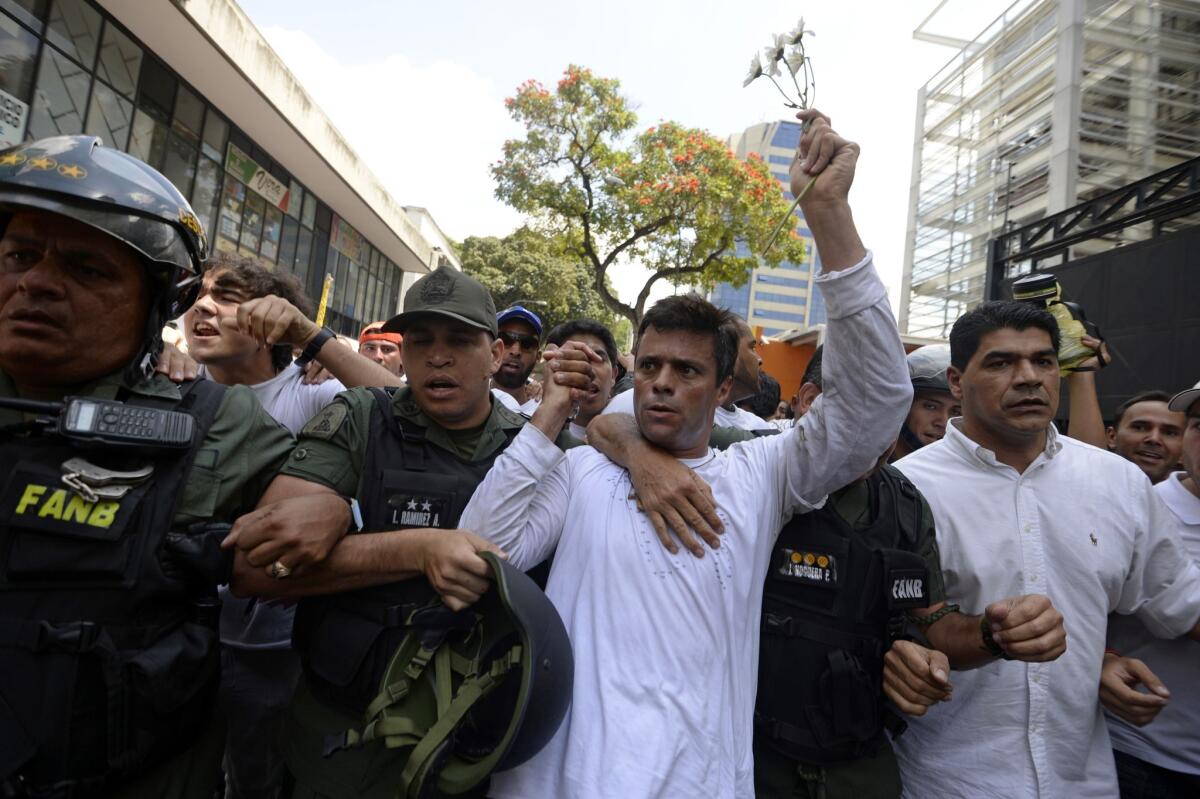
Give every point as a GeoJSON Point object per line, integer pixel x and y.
{"type": "Point", "coordinates": [666, 646]}
{"type": "Point", "coordinates": [1172, 740]}
{"type": "Point", "coordinates": [527, 408]}
{"type": "Point", "coordinates": [1083, 527]}
{"type": "Point", "coordinates": [737, 418]}
{"type": "Point", "coordinates": [245, 622]}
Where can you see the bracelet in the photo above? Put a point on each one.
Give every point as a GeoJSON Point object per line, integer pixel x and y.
{"type": "Point", "coordinates": [989, 643]}
{"type": "Point", "coordinates": [925, 621]}
{"type": "Point", "coordinates": [1108, 650]}
{"type": "Point", "coordinates": [314, 346]}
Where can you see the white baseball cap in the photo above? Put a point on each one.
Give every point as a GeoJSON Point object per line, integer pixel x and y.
{"type": "Point", "coordinates": [1184, 399]}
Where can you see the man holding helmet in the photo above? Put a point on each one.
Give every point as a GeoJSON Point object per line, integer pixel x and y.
{"type": "Point", "coordinates": [933, 406]}
{"type": "Point", "coordinates": [108, 641]}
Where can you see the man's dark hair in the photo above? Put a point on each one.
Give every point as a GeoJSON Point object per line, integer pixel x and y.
{"type": "Point", "coordinates": [812, 372]}
{"type": "Point", "coordinates": [976, 323]}
{"type": "Point", "coordinates": [765, 401]}
{"type": "Point", "coordinates": [692, 313]}
{"type": "Point", "coordinates": [560, 334]}
{"type": "Point", "coordinates": [1153, 395]}
{"type": "Point", "coordinates": [248, 278]}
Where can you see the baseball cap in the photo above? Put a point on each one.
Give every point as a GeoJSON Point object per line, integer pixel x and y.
{"type": "Point", "coordinates": [1184, 399]}
{"type": "Point", "coordinates": [524, 315]}
{"type": "Point", "coordinates": [447, 292]}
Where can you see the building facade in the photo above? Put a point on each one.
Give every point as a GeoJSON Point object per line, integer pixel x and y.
{"type": "Point", "coordinates": [1056, 102]}
{"type": "Point", "coordinates": [783, 297]}
{"type": "Point", "coordinates": [195, 91]}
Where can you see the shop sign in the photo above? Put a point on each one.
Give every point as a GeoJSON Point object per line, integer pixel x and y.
{"type": "Point", "coordinates": [13, 114]}
{"type": "Point", "coordinates": [346, 240]}
{"type": "Point", "coordinates": [245, 169]}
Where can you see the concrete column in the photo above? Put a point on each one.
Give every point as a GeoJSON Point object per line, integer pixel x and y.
{"type": "Point", "coordinates": [1064, 117]}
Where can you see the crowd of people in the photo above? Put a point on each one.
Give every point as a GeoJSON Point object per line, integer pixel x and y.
{"type": "Point", "coordinates": [402, 566]}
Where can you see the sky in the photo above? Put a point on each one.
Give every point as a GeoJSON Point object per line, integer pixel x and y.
{"type": "Point", "coordinates": [418, 88]}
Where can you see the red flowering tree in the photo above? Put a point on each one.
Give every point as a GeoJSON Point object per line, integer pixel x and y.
{"type": "Point", "coordinates": [673, 199]}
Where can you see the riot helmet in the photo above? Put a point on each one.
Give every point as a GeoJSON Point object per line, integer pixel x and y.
{"type": "Point", "coordinates": [473, 691]}
{"type": "Point", "coordinates": [927, 370]}
{"type": "Point", "coordinates": [115, 193]}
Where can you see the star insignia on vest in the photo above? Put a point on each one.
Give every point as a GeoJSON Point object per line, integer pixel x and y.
{"type": "Point", "coordinates": [42, 162]}
{"type": "Point", "coordinates": [11, 159]}
{"type": "Point", "coordinates": [326, 423]}
{"type": "Point", "coordinates": [72, 171]}
{"type": "Point", "coordinates": [437, 288]}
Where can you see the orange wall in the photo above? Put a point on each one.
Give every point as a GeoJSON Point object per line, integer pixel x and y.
{"type": "Point", "coordinates": [786, 363]}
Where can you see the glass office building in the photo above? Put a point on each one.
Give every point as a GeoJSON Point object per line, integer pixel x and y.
{"type": "Point", "coordinates": [75, 66]}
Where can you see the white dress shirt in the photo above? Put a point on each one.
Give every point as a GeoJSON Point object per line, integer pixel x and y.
{"type": "Point", "coordinates": [1172, 740]}
{"type": "Point", "coordinates": [1082, 526]}
{"type": "Point", "coordinates": [666, 646]}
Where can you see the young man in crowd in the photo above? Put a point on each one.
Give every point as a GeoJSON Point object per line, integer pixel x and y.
{"type": "Point", "coordinates": [744, 386]}
{"type": "Point", "coordinates": [666, 644]}
{"type": "Point", "coordinates": [1020, 509]}
{"type": "Point", "coordinates": [600, 339]}
{"type": "Point", "coordinates": [242, 330]}
{"type": "Point", "coordinates": [1148, 433]}
{"type": "Point", "coordinates": [520, 331]}
{"type": "Point", "coordinates": [1160, 759]}
{"type": "Point", "coordinates": [933, 406]}
{"type": "Point", "coordinates": [765, 403]}
{"type": "Point", "coordinates": [385, 349]}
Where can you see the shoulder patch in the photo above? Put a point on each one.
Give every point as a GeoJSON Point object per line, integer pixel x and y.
{"type": "Point", "coordinates": [327, 422]}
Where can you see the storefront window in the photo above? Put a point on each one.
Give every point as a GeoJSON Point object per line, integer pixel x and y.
{"type": "Point", "coordinates": [180, 164]}
{"type": "Point", "coordinates": [303, 253]}
{"type": "Point", "coordinates": [188, 119]}
{"type": "Point", "coordinates": [309, 214]}
{"type": "Point", "coordinates": [204, 195]}
{"type": "Point", "coordinates": [272, 226]}
{"type": "Point", "coordinates": [120, 60]}
{"type": "Point", "coordinates": [60, 98]}
{"type": "Point", "coordinates": [31, 12]}
{"type": "Point", "coordinates": [75, 29]}
{"type": "Point", "coordinates": [231, 209]}
{"type": "Point", "coordinates": [109, 116]}
{"type": "Point", "coordinates": [19, 49]}
{"type": "Point", "coordinates": [252, 222]}
{"type": "Point", "coordinates": [216, 130]}
{"type": "Point", "coordinates": [148, 140]}
{"type": "Point", "coordinates": [295, 199]}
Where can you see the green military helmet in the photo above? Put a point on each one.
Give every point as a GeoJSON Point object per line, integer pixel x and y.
{"type": "Point", "coordinates": [115, 193]}
{"type": "Point", "coordinates": [472, 692]}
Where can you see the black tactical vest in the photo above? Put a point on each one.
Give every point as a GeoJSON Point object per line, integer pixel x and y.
{"type": "Point", "coordinates": [346, 640]}
{"type": "Point", "coordinates": [832, 605]}
{"type": "Point", "coordinates": [108, 644]}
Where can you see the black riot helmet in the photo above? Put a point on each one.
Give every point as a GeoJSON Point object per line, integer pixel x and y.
{"type": "Point", "coordinates": [474, 691]}
{"type": "Point", "coordinates": [115, 193]}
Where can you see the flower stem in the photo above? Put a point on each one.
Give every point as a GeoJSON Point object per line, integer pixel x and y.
{"type": "Point", "coordinates": [778, 228]}
{"type": "Point", "coordinates": [788, 100]}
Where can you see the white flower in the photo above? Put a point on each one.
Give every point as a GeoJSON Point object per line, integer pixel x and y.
{"type": "Point", "coordinates": [756, 71]}
{"type": "Point", "coordinates": [795, 60]}
{"type": "Point", "coordinates": [797, 33]}
{"type": "Point", "coordinates": [613, 182]}
{"type": "Point", "coordinates": [774, 52]}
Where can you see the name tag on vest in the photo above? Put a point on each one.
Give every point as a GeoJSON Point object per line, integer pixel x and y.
{"type": "Point", "coordinates": [418, 509]}
{"type": "Point", "coordinates": [807, 567]}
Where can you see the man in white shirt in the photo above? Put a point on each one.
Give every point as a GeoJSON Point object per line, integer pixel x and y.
{"type": "Point", "coordinates": [666, 644]}
{"type": "Point", "coordinates": [241, 330]}
{"type": "Point", "coordinates": [1020, 509]}
{"type": "Point", "coordinates": [1160, 759]}
{"type": "Point", "coordinates": [745, 384]}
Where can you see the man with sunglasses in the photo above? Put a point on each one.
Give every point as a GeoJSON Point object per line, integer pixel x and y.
{"type": "Point", "coordinates": [520, 331]}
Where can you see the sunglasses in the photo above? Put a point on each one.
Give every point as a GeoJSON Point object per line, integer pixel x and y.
{"type": "Point", "coordinates": [528, 343]}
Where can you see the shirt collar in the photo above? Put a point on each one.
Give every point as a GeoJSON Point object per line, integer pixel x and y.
{"type": "Point", "coordinates": [1183, 503]}
{"type": "Point", "coordinates": [491, 439]}
{"type": "Point", "coordinates": [973, 451]}
{"type": "Point", "coordinates": [106, 387]}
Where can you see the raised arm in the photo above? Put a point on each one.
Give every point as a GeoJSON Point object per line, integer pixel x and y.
{"type": "Point", "coordinates": [867, 389]}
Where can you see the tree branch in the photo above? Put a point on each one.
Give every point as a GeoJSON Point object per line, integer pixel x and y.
{"type": "Point", "coordinates": [675, 272]}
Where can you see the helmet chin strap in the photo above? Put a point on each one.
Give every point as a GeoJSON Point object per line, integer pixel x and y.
{"type": "Point", "coordinates": [161, 309]}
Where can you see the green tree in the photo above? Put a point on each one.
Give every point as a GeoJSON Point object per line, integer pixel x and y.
{"type": "Point", "coordinates": [530, 268]}
{"type": "Point", "coordinates": [672, 198]}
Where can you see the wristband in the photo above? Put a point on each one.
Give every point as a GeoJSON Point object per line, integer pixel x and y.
{"type": "Point", "coordinates": [1110, 651]}
{"type": "Point", "coordinates": [314, 347]}
{"type": "Point", "coordinates": [989, 643]}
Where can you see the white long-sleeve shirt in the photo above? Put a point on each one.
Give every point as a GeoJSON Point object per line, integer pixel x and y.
{"type": "Point", "coordinates": [1083, 527]}
{"type": "Point", "coordinates": [666, 646]}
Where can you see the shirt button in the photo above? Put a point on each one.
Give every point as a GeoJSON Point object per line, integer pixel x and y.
{"type": "Point", "coordinates": [1028, 528]}
{"type": "Point", "coordinates": [300, 454]}
{"type": "Point", "coordinates": [1033, 578]}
